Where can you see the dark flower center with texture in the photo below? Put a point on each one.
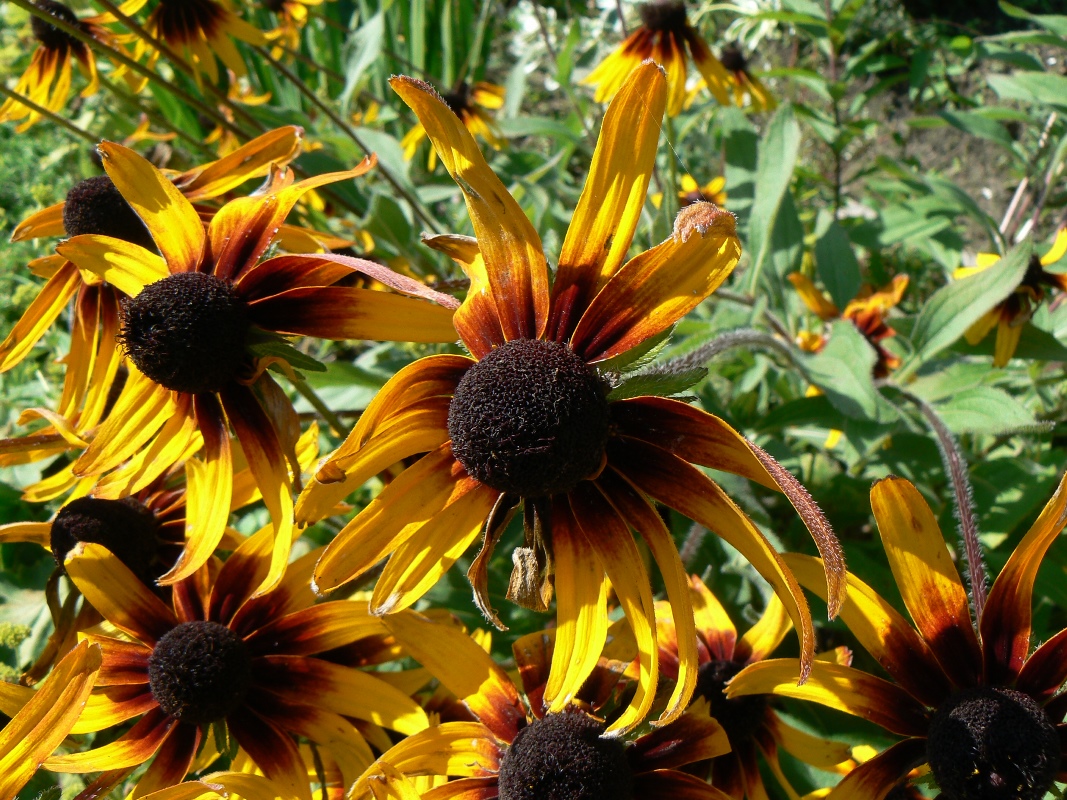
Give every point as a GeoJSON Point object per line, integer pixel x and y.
{"type": "Point", "coordinates": [96, 206]}
{"type": "Point", "coordinates": [183, 21]}
{"type": "Point", "coordinates": [187, 332]}
{"type": "Point", "coordinates": [733, 59]}
{"type": "Point", "coordinates": [274, 5]}
{"type": "Point", "coordinates": [992, 744]}
{"type": "Point", "coordinates": [49, 35]}
{"type": "Point", "coordinates": [125, 527]}
{"type": "Point", "coordinates": [565, 757]}
{"type": "Point", "coordinates": [530, 419]}
{"type": "Point", "coordinates": [740, 716]}
{"type": "Point", "coordinates": [199, 672]}
{"type": "Point", "coordinates": [663, 16]}
{"type": "Point", "coordinates": [459, 100]}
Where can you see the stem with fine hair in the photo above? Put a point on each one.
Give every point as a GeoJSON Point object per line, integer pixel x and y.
{"type": "Point", "coordinates": [963, 499]}
{"type": "Point", "coordinates": [742, 337]}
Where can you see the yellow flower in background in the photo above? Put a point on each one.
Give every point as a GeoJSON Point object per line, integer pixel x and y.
{"type": "Point", "coordinates": [867, 312]}
{"type": "Point", "coordinates": [527, 420]}
{"type": "Point", "coordinates": [666, 37]}
{"type": "Point", "coordinates": [47, 80]}
{"type": "Point", "coordinates": [1011, 315]}
{"type": "Point", "coordinates": [743, 83]}
{"type": "Point", "coordinates": [238, 91]}
{"type": "Point", "coordinates": [472, 105]}
{"type": "Point", "coordinates": [714, 191]}
{"type": "Point", "coordinates": [292, 16]}
{"type": "Point", "coordinates": [971, 698]}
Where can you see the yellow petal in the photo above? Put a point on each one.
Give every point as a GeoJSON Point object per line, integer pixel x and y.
{"type": "Point", "coordinates": [39, 316]}
{"type": "Point", "coordinates": [46, 222]}
{"type": "Point", "coordinates": [814, 299]}
{"type": "Point", "coordinates": [252, 160]}
{"type": "Point", "coordinates": [126, 266]}
{"type": "Point", "coordinates": [763, 638]}
{"type": "Point", "coordinates": [1008, 335]}
{"type": "Point", "coordinates": [39, 533]}
{"type": "Point", "coordinates": [1055, 253]}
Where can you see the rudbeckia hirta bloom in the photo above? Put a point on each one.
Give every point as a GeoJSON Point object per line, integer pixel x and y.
{"type": "Point", "coordinates": [867, 312]}
{"type": "Point", "coordinates": [665, 36]}
{"type": "Point", "coordinates": [983, 709]}
{"type": "Point", "coordinates": [196, 315]}
{"type": "Point", "coordinates": [751, 723]}
{"type": "Point", "coordinates": [47, 80]}
{"type": "Point", "coordinates": [472, 104]}
{"type": "Point", "coordinates": [95, 206]}
{"type": "Point", "coordinates": [528, 420]}
{"type": "Point", "coordinates": [742, 82]}
{"type": "Point", "coordinates": [292, 16]}
{"type": "Point", "coordinates": [1011, 315]}
{"type": "Point", "coordinates": [714, 191]}
{"type": "Point", "coordinates": [217, 657]}
{"type": "Point", "coordinates": [516, 749]}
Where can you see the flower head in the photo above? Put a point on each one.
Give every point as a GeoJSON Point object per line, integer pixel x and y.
{"type": "Point", "coordinates": [529, 421]}
{"type": "Point", "coordinates": [472, 104]}
{"type": "Point", "coordinates": [969, 696]}
{"type": "Point", "coordinates": [1010, 316]}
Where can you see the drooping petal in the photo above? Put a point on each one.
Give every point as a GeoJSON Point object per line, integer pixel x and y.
{"type": "Point", "coordinates": [272, 750]}
{"type": "Point", "coordinates": [676, 483]}
{"type": "Point", "coordinates": [41, 725]}
{"type": "Point", "coordinates": [675, 785]}
{"type": "Point", "coordinates": [690, 738]}
{"type": "Point", "coordinates": [814, 750]}
{"type": "Point", "coordinates": [43, 310]}
{"type": "Point", "coordinates": [610, 206]}
{"type": "Point", "coordinates": [1006, 621]}
{"type": "Point", "coordinates": [465, 669]}
{"type": "Point", "coordinates": [240, 576]}
{"type": "Point", "coordinates": [514, 261]}
{"type": "Point", "coordinates": [134, 747]}
{"type": "Point", "coordinates": [170, 218]}
{"type": "Point", "coordinates": [927, 578]}
{"type": "Point", "coordinates": [251, 160]}
{"type": "Point", "coordinates": [172, 761]}
{"type": "Point", "coordinates": [476, 320]}
{"type": "Point", "coordinates": [327, 729]}
{"type": "Point", "coordinates": [1055, 253]}
{"type": "Point", "coordinates": [655, 289]}
{"type": "Point", "coordinates": [876, 778]}
{"type": "Point", "coordinates": [285, 272]}
{"type": "Point", "coordinates": [112, 705]}
{"type": "Point", "coordinates": [763, 638]}
{"type": "Point", "coordinates": [341, 312]}
{"type": "Point", "coordinates": [316, 629]}
{"type": "Point", "coordinates": [346, 691]}
{"type": "Point", "coordinates": [46, 222]}
{"type": "Point", "coordinates": [123, 663]}
{"type": "Point", "coordinates": [39, 533]}
{"type": "Point", "coordinates": [1046, 669]}
{"type": "Point", "coordinates": [882, 631]}
{"type": "Point", "coordinates": [836, 686]}
{"type": "Point", "coordinates": [118, 594]}
{"type": "Point", "coordinates": [126, 266]}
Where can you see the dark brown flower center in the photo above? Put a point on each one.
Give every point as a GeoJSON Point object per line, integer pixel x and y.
{"type": "Point", "coordinates": [733, 59]}
{"type": "Point", "coordinates": [458, 100]}
{"type": "Point", "coordinates": [992, 744]}
{"type": "Point", "coordinates": [199, 672]}
{"type": "Point", "coordinates": [668, 15]}
{"type": "Point", "coordinates": [183, 21]}
{"type": "Point", "coordinates": [530, 419]}
{"type": "Point", "coordinates": [49, 35]}
{"type": "Point", "coordinates": [96, 206]}
{"type": "Point", "coordinates": [125, 527]}
{"type": "Point", "coordinates": [739, 716]}
{"type": "Point", "coordinates": [565, 757]}
{"type": "Point", "coordinates": [187, 332]}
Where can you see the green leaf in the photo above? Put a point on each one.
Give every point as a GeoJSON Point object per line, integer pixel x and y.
{"type": "Point", "coordinates": [275, 346]}
{"type": "Point", "coordinates": [777, 157]}
{"type": "Point", "coordinates": [843, 371]}
{"type": "Point", "coordinates": [979, 125]}
{"type": "Point", "coordinates": [741, 146]}
{"type": "Point", "coordinates": [1034, 344]}
{"type": "Point", "coordinates": [957, 306]}
{"type": "Point", "coordinates": [983, 409]}
{"type": "Point", "coordinates": [658, 384]}
{"type": "Point", "coordinates": [364, 47]}
{"type": "Point", "coordinates": [1055, 23]}
{"type": "Point", "coordinates": [1033, 87]}
{"type": "Point", "coordinates": [837, 264]}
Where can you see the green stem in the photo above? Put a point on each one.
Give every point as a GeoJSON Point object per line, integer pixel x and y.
{"type": "Point", "coordinates": [305, 391]}
{"type": "Point", "coordinates": [44, 112]}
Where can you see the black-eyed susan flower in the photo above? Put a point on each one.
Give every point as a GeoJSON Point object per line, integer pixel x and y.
{"type": "Point", "coordinates": [472, 103]}
{"type": "Point", "coordinates": [258, 669]}
{"type": "Point", "coordinates": [528, 421]}
{"type": "Point", "coordinates": [867, 312]}
{"type": "Point", "coordinates": [47, 79]}
{"type": "Point", "coordinates": [44, 717]}
{"type": "Point", "coordinates": [95, 206]}
{"type": "Point", "coordinates": [971, 698]}
{"type": "Point", "coordinates": [1011, 315]}
{"type": "Point", "coordinates": [751, 723]}
{"type": "Point", "coordinates": [714, 191]}
{"type": "Point", "coordinates": [292, 16]}
{"type": "Point", "coordinates": [743, 84]}
{"type": "Point", "coordinates": [666, 37]}
{"type": "Point", "coordinates": [516, 749]}
{"type": "Point", "coordinates": [196, 315]}
{"type": "Point", "coordinates": [199, 31]}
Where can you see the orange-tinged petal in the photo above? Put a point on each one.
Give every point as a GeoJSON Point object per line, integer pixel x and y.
{"type": "Point", "coordinates": [876, 778]}
{"type": "Point", "coordinates": [514, 261]}
{"type": "Point", "coordinates": [41, 725]}
{"type": "Point", "coordinates": [272, 750]}
{"type": "Point", "coordinates": [111, 705]}
{"type": "Point", "coordinates": [39, 316]}
{"type": "Point", "coordinates": [465, 669]}
{"type": "Point", "coordinates": [836, 686]}
{"type": "Point", "coordinates": [610, 538]}
{"type": "Point", "coordinates": [124, 663]}
{"type": "Point", "coordinates": [1046, 669]}
{"type": "Point", "coordinates": [142, 408]}
{"type": "Point", "coordinates": [431, 551]}
{"type": "Point", "coordinates": [581, 611]}
{"type": "Point", "coordinates": [330, 731]}
{"type": "Point", "coordinates": [978, 331]}
{"type": "Point", "coordinates": [251, 160]}
{"type": "Point", "coordinates": [39, 533]}
{"type": "Point", "coordinates": [346, 691]}
{"type": "Point", "coordinates": [711, 69]}
{"type": "Point", "coordinates": [675, 785]}
{"type": "Point", "coordinates": [1006, 620]}
{"type": "Point", "coordinates": [1008, 334]}
{"type": "Point", "coordinates": [46, 222]}
{"type": "Point", "coordinates": [318, 628]}
{"type": "Point", "coordinates": [882, 631]}
{"type": "Point", "coordinates": [815, 750]}
{"type": "Point", "coordinates": [117, 593]}
{"type": "Point", "coordinates": [658, 287]}
{"type": "Point", "coordinates": [927, 578]}
{"type": "Point", "coordinates": [135, 747]}
{"type": "Point", "coordinates": [126, 266]}
{"type": "Point", "coordinates": [610, 206]}
{"type": "Point", "coordinates": [170, 218]}
{"type": "Point", "coordinates": [817, 302]}
{"type": "Point", "coordinates": [712, 622]}
{"type": "Point", "coordinates": [763, 638]}
{"type": "Point", "coordinates": [691, 738]}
